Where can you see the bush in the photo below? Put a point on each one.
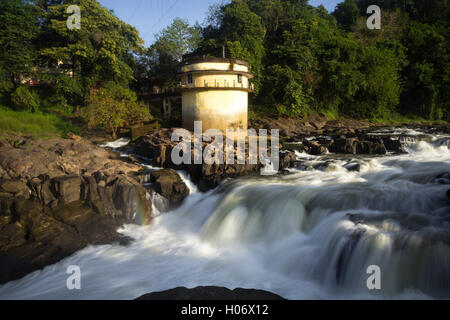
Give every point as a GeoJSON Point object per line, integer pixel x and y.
{"type": "Point", "coordinates": [25, 100]}
{"type": "Point", "coordinates": [114, 107]}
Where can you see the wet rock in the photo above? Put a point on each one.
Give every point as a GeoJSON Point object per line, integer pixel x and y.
{"type": "Point", "coordinates": [33, 236]}
{"type": "Point", "coordinates": [443, 178]}
{"type": "Point", "coordinates": [314, 148]}
{"type": "Point", "coordinates": [158, 148]}
{"type": "Point", "coordinates": [64, 215]}
{"type": "Point", "coordinates": [373, 146]}
{"type": "Point", "coordinates": [287, 159]}
{"type": "Point", "coordinates": [170, 185]}
{"type": "Point", "coordinates": [392, 145]}
{"type": "Point", "coordinates": [346, 146]}
{"type": "Point", "coordinates": [57, 197]}
{"type": "Point", "coordinates": [211, 293]}
{"type": "Point", "coordinates": [353, 167]}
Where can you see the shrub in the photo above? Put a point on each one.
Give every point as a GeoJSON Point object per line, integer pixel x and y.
{"type": "Point", "coordinates": [114, 107]}
{"type": "Point", "coordinates": [25, 100]}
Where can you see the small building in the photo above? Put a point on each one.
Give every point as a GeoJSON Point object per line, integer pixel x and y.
{"type": "Point", "coordinates": [215, 91]}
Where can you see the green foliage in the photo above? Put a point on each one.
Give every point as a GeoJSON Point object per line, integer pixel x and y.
{"type": "Point", "coordinates": [102, 50]}
{"type": "Point", "coordinates": [287, 92]}
{"type": "Point", "coordinates": [18, 30]}
{"type": "Point", "coordinates": [160, 63]}
{"type": "Point", "coordinates": [347, 13]}
{"type": "Point", "coordinates": [242, 32]}
{"type": "Point", "coordinates": [113, 107]}
{"type": "Point", "coordinates": [178, 39]}
{"type": "Point", "coordinates": [427, 74]}
{"type": "Point", "coordinates": [37, 125]}
{"type": "Point", "coordinates": [24, 99]}
{"type": "Point", "coordinates": [308, 60]}
{"type": "Point", "coordinates": [304, 59]}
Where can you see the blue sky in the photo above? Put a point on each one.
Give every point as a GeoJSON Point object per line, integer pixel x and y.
{"type": "Point", "coordinates": [151, 16]}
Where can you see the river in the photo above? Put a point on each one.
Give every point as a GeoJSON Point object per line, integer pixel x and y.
{"type": "Point", "coordinates": [310, 234]}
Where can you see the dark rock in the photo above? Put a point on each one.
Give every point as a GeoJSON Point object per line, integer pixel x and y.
{"type": "Point", "coordinates": [170, 185]}
{"type": "Point", "coordinates": [443, 178]}
{"type": "Point", "coordinates": [346, 146]}
{"type": "Point", "coordinates": [358, 146]}
{"type": "Point", "coordinates": [67, 189]}
{"type": "Point", "coordinates": [33, 236]}
{"type": "Point", "coordinates": [158, 147]}
{"type": "Point", "coordinates": [15, 187]}
{"type": "Point", "coordinates": [353, 167]}
{"type": "Point", "coordinates": [393, 145]}
{"type": "Point", "coordinates": [287, 160]}
{"type": "Point", "coordinates": [211, 293]}
{"type": "Point", "coordinates": [315, 148]}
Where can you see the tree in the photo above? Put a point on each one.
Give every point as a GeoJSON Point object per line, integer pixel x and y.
{"type": "Point", "coordinates": [242, 32]}
{"type": "Point", "coordinates": [178, 39]}
{"type": "Point", "coordinates": [113, 107]}
{"type": "Point", "coordinates": [427, 74]}
{"type": "Point", "coordinates": [18, 31]}
{"type": "Point", "coordinates": [104, 49]}
{"type": "Point", "coordinates": [347, 13]}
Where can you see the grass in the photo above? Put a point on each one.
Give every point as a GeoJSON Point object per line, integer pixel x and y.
{"type": "Point", "coordinates": [409, 120]}
{"type": "Point", "coordinates": [256, 112]}
{"type": "Point", "coordinates": [37, 125]}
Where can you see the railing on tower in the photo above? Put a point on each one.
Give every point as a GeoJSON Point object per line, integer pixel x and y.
{"type": "Point", "coordinates": [216, 84]}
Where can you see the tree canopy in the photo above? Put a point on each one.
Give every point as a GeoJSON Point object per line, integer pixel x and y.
{"type": "Point", "coordinates": [304, 58]}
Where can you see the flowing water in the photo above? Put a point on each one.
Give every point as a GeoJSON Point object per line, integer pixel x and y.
{"type": "Point", "coordinates": [310, 234]}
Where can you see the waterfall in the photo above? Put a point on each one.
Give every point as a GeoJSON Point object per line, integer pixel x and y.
{"type": "Point", "coordinates": [311, 234]}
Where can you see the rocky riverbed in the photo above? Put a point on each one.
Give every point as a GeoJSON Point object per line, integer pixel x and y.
{"type": "Point", "coordinates": [59, 196]}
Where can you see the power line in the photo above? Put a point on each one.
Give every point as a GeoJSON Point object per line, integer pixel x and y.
{"type": "Point", "coordinates": [136, 10]}
{"type": "Point", "coordinates": [161, 18]}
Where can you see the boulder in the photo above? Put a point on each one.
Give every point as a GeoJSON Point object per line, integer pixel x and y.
{"type": "Point", "coordinates": [33, 236]}
{"type": "Point", "coordinates": [344, 145]}
{"type": "Point", "coordinates": [211, 293]}
{"type": "Point", "coordinates": [170, 185]}
{"type": "Point", "coordinates": [393, 145]}
{"type": "Point", "coordinates": [14, 187]}
{"type": "Point", "coordinates": [314, 148]}
{"type": "Point", "coordinates": [355, 145]}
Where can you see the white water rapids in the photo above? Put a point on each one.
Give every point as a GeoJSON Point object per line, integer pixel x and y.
{"type": "Point", "coordinates": [307, 235]}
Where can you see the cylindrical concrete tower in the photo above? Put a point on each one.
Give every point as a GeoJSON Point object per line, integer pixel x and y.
{"type": "Point", "coordinates": [215, 91]}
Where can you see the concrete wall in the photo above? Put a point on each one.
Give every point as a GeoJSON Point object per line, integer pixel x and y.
{"type": "Point", "coordinates": [217, 109]}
